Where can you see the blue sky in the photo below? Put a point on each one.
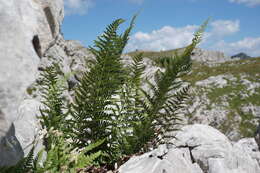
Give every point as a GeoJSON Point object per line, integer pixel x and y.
{"type": "Point", "coordinates": [169, 24]}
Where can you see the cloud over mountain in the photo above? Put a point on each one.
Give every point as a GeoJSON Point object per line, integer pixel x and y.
{"type": "Point", "coordinates": [249, 45]}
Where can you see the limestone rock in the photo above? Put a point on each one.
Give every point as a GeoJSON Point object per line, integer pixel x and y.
{"type": "Point", "coordinates": [27, 124]}
{"type": "Point", "coordinates": [10, 148]}
{"type": "Point", "coordinates": [209, 57]}
{"type": "Point", "coordinates": [249, 146]}
{"type": "Point", "coordinates": [161, 160]}
{"type": "Point", "coordinates": [219, 81]}
{"type": "Point", "coordinates": [197, 148]}
{"type": "Point", "coordinates": [25, 32]}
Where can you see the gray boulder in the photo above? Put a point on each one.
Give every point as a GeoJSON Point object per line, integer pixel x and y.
{"type": "Point", "coordinates": [162, 160]}
{"type": "Point", "coordinates": [209, 57]}
{"type": "Point", "coordinates": [27, 29]}
{"type": "Point", "coordinates": [10, 149]}
{"type": "Point", "coordinates": [197, 148]}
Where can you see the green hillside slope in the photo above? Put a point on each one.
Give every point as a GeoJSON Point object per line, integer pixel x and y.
{"type": "Point", "coordinates": [224, 95]}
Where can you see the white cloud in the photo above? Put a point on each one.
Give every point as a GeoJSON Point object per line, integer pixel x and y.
{"type": "Point", "coordinates": [222, 28]}
{"type": "Point", "coordinates": [162, 39]}
{"type": "Point", "coordinates": [250, 3]}
{"type": "Point", "coordinates": [169, 37]}
{"type": "Point", "coordinates": [136, 1]}
{"type": "Point", "coordinates": [80, 7]}
{"type": "Point", "coordinates": [249, 45]}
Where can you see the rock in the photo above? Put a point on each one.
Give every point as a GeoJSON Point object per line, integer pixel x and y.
{"type": "Point", "coordinates": [10, 148]}
{"type": "Point", "coordinates": [219, 81]}
{"type": "Point", "coordinates": [27, 124]}
{"type": "Point", "coordinates": [213, 151]}
{"type": "Point", "coordinates": [249, 146]}
{"type": "Point", "coordinates": [70, 55]}
{"type": "Point", "coordinates": [161, 160]}
{"type": "Point", "coordinates": [209, 57]}
{"type": "Point", "coordinates": [250, 86]}
{"type": "Point", "coordinates": [27, 29]}
{"type": "Point", "coordinates": [197, 148]}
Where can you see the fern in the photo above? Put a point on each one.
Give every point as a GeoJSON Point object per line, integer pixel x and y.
{"type": "Point", "coordinates": [93, 111]}
{"type": "Point", "coordinates": [63, 157]}
{"type": "Point", "coordinates": [52, 115]}
{"type": "Point", "coordinates": [154, 113]}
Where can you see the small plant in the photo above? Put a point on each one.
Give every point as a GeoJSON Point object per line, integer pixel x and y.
{"type": "Point", "coordinates": [52, 113]}
{"type": "Point", "coordinates": [63, 157]}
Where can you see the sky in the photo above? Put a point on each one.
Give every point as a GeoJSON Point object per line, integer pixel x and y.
{"type": "Point", "coordinates": [234, 25]}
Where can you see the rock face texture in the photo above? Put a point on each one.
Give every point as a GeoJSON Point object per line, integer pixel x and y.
{"type": "Point", "coordinates": [198, 149]}
{"type": "Point", "coordinates": [27, 29]}
{"type": "Point", "coordinates": [209, 57]}
{"type": "Point", "coordinates": [30, 41]}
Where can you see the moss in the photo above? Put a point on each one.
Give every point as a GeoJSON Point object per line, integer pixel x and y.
{"type": "Point", "coordinates": [30, 90]}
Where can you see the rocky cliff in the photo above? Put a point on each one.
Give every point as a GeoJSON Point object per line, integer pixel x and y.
{"type": "Point", "coordinates": [225, 95]}
{"type": "Point", "coordinates": [27, 29]}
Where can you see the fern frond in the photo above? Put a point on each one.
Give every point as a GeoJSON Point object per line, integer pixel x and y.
{"type": "Point", "coordinates": [95, 109]}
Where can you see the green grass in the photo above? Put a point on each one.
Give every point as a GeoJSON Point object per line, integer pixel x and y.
{"type": "Point", "coordinates": [201, 71]}
{"type": "Point", "coordinates": [155, 55]}
{"type": "Point", "coordinates": [245, 126]}
{"type": "Point", "coordinates": [249, 68]}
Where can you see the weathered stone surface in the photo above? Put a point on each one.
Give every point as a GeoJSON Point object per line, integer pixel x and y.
{"type": "Point", "coordinates": [161, 160]}
{"type": "Point", "coordinates": [219, 81]}
{"type": "Point", "coordinates": [70, 55]}
{"type": "Point", "coordinates": [25, 34]}
{"type": "Point", "coordinates": [198, 148]}
{"type": "Point", "coordinates": [209, 57]}
{"type": "Point", "coordinates": [27, 124]}
{"type": "Point", "coordinates": [249, 146]}
{"type": "Point", "coordinates": [213, 151]}
{"type": "Point", "coordinates": [10, 149]}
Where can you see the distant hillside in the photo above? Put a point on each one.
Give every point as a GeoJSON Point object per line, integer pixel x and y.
{"type": "Point", "coordinates": [156, 54]}
{"type": "Point", "coordinates": [225, 95]}
{"type": "Point", "coordinates": [241, 55]}
{"type": "Point", "coordinates": [199, 55]}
